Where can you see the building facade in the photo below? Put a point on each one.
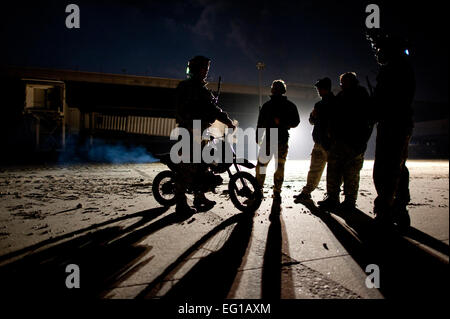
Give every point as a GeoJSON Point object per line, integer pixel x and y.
{"type": "Point", "coordinates": [45, 110]}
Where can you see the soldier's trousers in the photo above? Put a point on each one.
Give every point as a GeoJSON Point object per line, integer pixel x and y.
{"type": "Point", "coordinates": [390, 174]}
{"type": "Point", "coordinates": [279, 172]}
{"type": "Point", "coordinates": [344, 165]}
{"type": "Point", "coordinates": [185, 175]}
{"type": "Point", "coordinates": [188, 174]}
{"type": "Point", "coordinates": [319, 158]}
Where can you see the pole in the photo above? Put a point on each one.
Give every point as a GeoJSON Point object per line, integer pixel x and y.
{"type": "Point", "coordinates": [259, 89]}
{"type": "Point", "coordinates": [260, 66]}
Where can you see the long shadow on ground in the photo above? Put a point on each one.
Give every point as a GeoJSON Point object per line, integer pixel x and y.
{"type": "Point", "coordinates": [105, 257]}
{"type": "Point", "coordinates": [277, 281]}
{"type": "Point", "coordinates": [212, 276]}
{"type": "Point", "coordinates": [271, 272]}
{"type": "Point", "coordinates": [407, 270]}
{"type": "Point", "coordinates": [146, 215]}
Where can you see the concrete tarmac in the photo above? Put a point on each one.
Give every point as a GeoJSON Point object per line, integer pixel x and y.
{"type": "Point", "coordinates": [104, 219]}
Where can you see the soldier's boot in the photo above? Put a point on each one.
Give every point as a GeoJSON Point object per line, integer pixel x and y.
{"type": "Point", "coordinates": [200, 201]}
{"type": "Point", "coordinates": [330, 203]}
{"type": "Point", "coordinates": [183, 208]}
{"type": "Point", "coordinates": [302, 197]}
{"type": "Point", "coordinates": [383, 215]}
{"type": "Point", "coordinates": [348, 205]}
{"type": "Point", "coordinates": [400, 216]}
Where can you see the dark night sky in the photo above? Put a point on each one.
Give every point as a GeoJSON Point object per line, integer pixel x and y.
{"type": "Point", "coordinates": [299, 41]}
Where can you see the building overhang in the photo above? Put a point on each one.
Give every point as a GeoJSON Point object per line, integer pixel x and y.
{"type": "Point", "coordinates": [306, 92]}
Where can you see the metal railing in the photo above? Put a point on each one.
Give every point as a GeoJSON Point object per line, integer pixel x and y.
{"type": "Point", "coordinates": [155, 126]}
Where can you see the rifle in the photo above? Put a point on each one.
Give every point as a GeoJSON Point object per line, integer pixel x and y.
{"type": "Point", "coordinates": [218, 89]}
{"type": "Point", "coordinates": [369, 86]}
{"type": "Point", "coordinates": [372, 121]}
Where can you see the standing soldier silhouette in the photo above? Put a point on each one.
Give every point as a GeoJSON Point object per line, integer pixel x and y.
{"type": "Point", "coordinates": [195, 102]}
{"type": "Point", "coordinates": [350, 130]}
{"type": "Point", "coordinates": [393, 96]}
{"type": "Point", "coordinates": [282, 114]}
{"type": "Point", "coordinates": [320, 118]}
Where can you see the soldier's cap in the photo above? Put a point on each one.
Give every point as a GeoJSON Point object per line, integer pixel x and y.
{"type": "Point", "coordinates": [324, 83]}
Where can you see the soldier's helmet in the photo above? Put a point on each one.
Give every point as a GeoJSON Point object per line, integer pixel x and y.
{"type": "Point", "coordinates": [196, 64]}
{"type": "Point", "coordinates": [387, 46]}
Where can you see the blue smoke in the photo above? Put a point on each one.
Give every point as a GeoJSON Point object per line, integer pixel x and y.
{"type": "Point", "coordinates": [104, 152]}
{"type": "Point", "coordinates": [118, 154]}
